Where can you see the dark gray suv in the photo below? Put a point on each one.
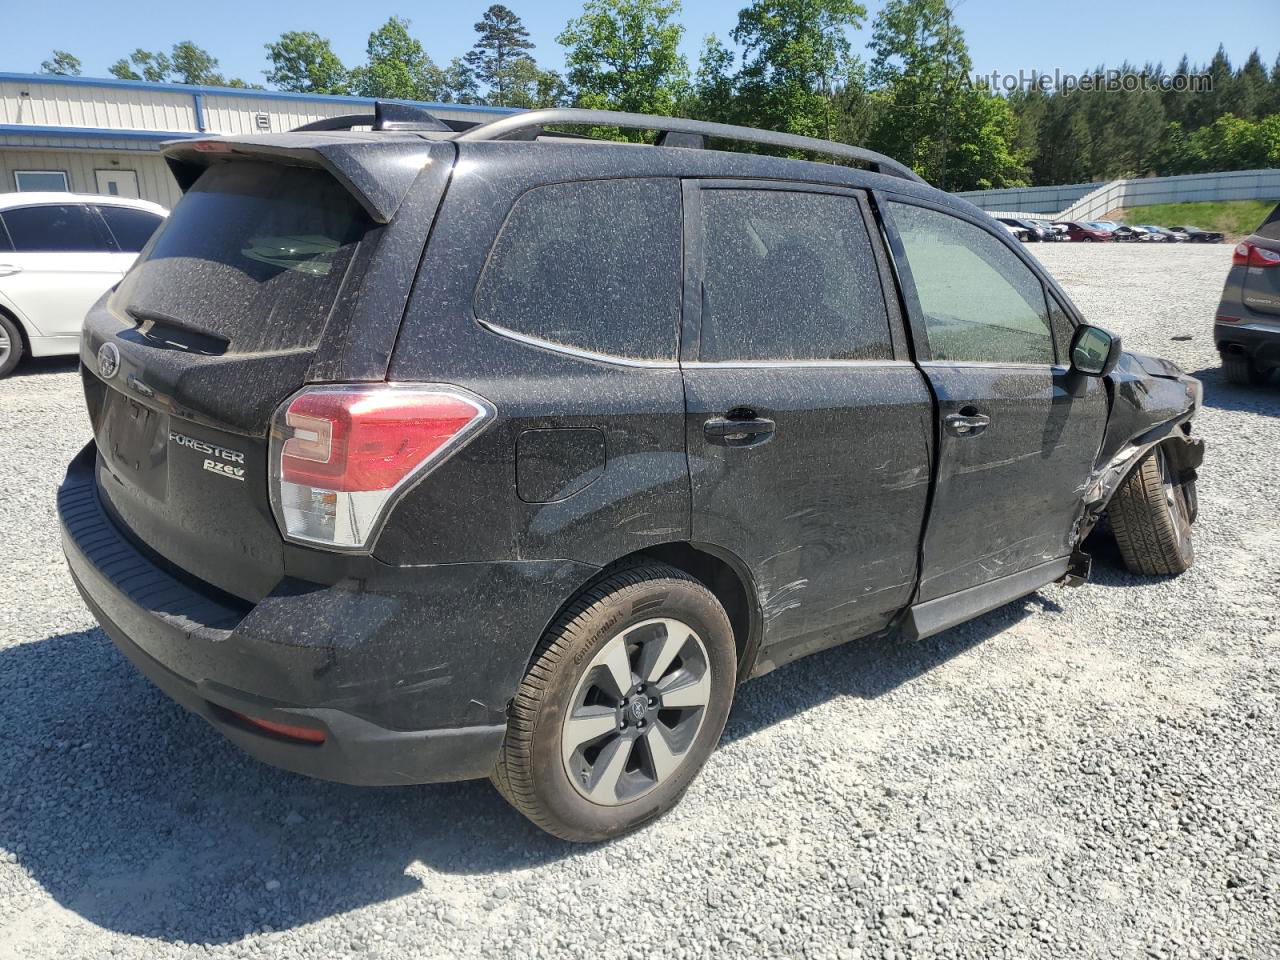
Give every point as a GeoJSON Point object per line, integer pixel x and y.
{"type": "Point", "coordinates": [1247, 326]}
{"type": "Point", "coordinates": [424, 454]}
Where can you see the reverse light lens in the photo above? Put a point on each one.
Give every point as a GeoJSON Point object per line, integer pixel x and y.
{"type": "Point", "coordinates": [342, 455]}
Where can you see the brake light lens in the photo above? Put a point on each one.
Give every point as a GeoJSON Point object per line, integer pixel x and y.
{"type": "Point", "coordinates": [1248, 254]}
{"type": "Point", "coordinates": [342, 455]}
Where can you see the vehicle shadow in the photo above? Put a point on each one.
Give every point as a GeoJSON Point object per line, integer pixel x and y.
{"type": "Point", "coordinates": [1220, 395]}
{"type": "Point", "coordinates": [134, 814]}
{"type": "Point", "coordinates": [43, 366]}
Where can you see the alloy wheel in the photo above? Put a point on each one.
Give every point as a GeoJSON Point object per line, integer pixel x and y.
{"type": "Point", "coordinates": [636, 711]}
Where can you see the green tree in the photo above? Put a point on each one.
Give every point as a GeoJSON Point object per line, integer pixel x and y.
{"type": "Point", "coordinates": [62, 64]}
{"type": "Point", "coordinates": [795, 54]}
{"type": "Point", "coordinates": [460, 84]}
{"type": "Point", "coordinates": [927, 111]}
{"type": "Point", "coordinates": [503, 43]}
{"type": "Point", "coordinates": [714, 92]}
{"type": "Point", "coordinates": [530, 87]}
{"type": "Point", "coordinates": [1252, 89]}
{"type": "Point", "coordinates": [1273, 98]}
{"type": "Point", "coordinates": [143, 65]}
{"type": "Point", "coordinates": [624, 55]}
{"type": "Point", "coordinates": [304, 62]}
{"type": "Point", "coordinates": [195, 65]}
{"type": "Point", "coordinates": [398, 67]}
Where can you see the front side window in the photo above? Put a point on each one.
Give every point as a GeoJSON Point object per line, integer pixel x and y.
{"type": "Point", "coordinates": [54, 228]}
{"type": "Point", "coordinates": [789, 275]}
{"type": "Point", "coordinates": [593, 265]}
{"type": "Point", "coordinates": [980, 302]}
{"type": "Point", "coordinates": [1064, 329]}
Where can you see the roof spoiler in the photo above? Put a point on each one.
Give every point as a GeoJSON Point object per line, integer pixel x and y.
{"type": "Point", "coordinates": [376, 171]}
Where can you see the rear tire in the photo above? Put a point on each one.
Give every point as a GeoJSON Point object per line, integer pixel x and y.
{"type": "Point", "coordinates": [1242, 371]}
{"type": "Point", "coordinates": [577, 759]}
{"type": "Point", "coordinates": [10, 345]}
{"type": "Point", "coordinates": [1151, 517]}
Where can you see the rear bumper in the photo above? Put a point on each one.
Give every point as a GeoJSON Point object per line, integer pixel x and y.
{"type": "Point", "coordinates": [406, 675]}
{"type": "Point", "coordinates": [1259, 339]}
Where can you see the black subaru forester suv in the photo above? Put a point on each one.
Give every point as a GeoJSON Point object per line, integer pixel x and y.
{"type": "Point", "coordinates": [425, 453]}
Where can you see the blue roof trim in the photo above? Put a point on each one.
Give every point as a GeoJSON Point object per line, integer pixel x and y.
{"type": "Point", "coordinates": [192, 89]}
{"type": "Point", "coordinates": [31, 130]}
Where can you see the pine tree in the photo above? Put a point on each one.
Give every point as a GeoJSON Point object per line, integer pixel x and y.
{"type": "Point", "coordinates": [503, 43]}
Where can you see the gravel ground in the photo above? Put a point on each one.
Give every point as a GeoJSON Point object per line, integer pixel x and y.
{"type": "Point", "coordinates": [1087, 772]}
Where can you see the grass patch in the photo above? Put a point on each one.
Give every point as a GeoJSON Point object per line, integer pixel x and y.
{"type": "Point", "coordinates": [1235, 218]}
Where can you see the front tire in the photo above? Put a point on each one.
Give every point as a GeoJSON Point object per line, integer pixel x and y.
{"type": "Point", "coordinates": [10, 345]}
{"type": "Point", "coordinates": [624, 702]}
{"type": "Point", "coordinates": [1151, 517]}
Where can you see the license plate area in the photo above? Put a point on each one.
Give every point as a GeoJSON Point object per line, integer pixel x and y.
{"type": "Point", "coordinates": [134, 443]}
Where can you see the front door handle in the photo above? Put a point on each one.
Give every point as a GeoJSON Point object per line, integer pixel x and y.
{"type": "Point", "coordinates": [9, 269]}
{"type": "Point", "coordinates": [966, 425]}
{"type": "Point", "coordinates": [729, 432]}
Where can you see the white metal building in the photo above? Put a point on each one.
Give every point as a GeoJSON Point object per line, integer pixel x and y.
{"type": "Point", "coordinates": [102, 136]}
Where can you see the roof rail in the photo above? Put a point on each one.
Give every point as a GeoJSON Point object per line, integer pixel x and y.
{"type": "Point", "coordinates": [529, 122]}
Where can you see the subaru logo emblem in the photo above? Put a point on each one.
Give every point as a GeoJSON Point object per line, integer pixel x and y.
{"type": "Point", "coordinates": [108, 360]}
{"type": "Point", "coordinates": [637, 709]}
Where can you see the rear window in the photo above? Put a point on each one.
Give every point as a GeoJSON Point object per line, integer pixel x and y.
{"type": "Point", "coordinates": [132, 228]}
{"type": "Point", "coordinates": [593, 265]}
{"type": "Point", "coordinates": [254, 255]}
{"type": "Point", "coordinates": [1270, 228]}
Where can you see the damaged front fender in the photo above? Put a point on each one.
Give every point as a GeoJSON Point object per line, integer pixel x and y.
{"type": "Point", "coordinates": [1152, 402]}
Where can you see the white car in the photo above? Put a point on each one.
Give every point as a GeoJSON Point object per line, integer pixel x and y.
{"type": "Point", "coordinates": [59, 252]}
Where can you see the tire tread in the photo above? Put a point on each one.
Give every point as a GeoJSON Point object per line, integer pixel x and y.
{"type": "Point", "coordinates": [513, 773]}
{"type": "Point", "coordinates": [1144, 526]}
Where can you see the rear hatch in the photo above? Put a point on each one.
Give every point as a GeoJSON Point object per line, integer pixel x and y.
{"type": "Point", "coordinates": [1261, 285]}
{"type": "Point", "coordinates": [277, 268]}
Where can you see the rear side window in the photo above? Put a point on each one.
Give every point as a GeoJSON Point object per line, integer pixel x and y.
{"type": "Point", "coordinates": [980, 302]}
{"type": "Point", "coordinates": [255, 255]}
{"type": "Point", "coordinates": [54, 228]}
{"type": "Point", "coordinates": [789, 276]}
{"type": "Point", "coordinates": [131, 228]}
{"type": "Point", "coordinates": [593, 265]}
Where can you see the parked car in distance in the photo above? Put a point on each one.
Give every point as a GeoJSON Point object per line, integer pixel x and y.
{"type": "Point", "coordinates": [1246, 329]}
{"type": "Point", "coordinates": [1037, 231]}
{"type": "Point", "coordinates": [59, 252]}
{"type": "Point", "coordinates": [1127, 234]}
{"type": "Point", "coordinates": [1079, 231]}
{"type": "Point", "coordinates": [1196, 235]}
{"type": "Point", "coordinates": [436, 478]}
{"type": "Point", "coordinates": [1021, 234]}
{"type": "Point", "coordinates": [1165, 234]}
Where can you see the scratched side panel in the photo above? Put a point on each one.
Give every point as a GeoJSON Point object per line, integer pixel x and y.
{"type": "Point", "coordinates": [828, 512]}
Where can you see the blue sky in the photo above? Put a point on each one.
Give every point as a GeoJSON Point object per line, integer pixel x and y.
{"type": "Point", "coordinates": [1002, 35]}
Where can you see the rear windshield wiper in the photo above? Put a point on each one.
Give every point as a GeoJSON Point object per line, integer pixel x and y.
{"type": "Point", "coordinates": [183, 334]}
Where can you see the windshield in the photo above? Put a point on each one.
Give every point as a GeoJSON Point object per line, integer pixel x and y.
{"type": "Point", "coordinates": [254, 256]}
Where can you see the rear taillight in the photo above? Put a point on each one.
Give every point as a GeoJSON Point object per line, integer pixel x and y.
{"type": "Point", "coordinates": [1248, 254]}
{"type": "Point", "coordinates": [342, 455]}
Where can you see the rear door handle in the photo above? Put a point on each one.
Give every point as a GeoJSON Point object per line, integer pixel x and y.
{"type": "Point", "coordinates": [9, 269]}
{"type": "Point", "coordinates": [728, 432]}
{"type": "Point", "coordinates": [966, 425]}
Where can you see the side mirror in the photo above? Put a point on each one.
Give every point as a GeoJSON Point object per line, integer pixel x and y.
{"type": "Point", "coordinates": [1094, 351]}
